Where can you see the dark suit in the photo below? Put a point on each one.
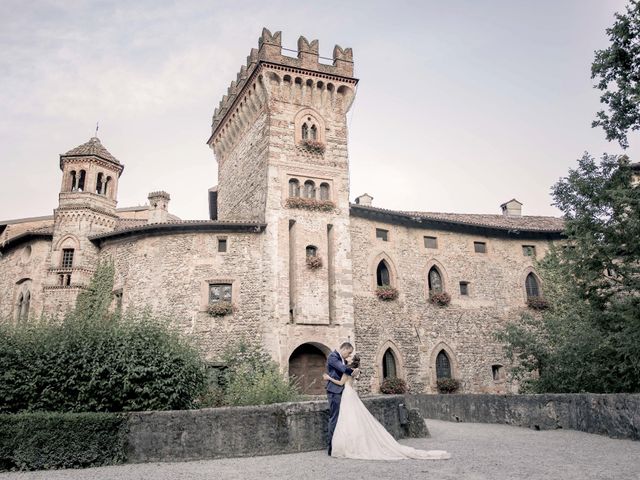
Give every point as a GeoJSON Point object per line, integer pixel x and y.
{"type": "Point", "coordinates": [335, 368]}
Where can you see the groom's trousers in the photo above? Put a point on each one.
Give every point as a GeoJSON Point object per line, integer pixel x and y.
{"type": "Point", "coordinates": [334, 411]}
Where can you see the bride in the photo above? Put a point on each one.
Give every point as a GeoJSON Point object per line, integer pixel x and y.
{"type": "Point", "coordinates": [359, 435]}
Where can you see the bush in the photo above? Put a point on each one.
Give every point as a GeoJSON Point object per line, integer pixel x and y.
{"type": "Point", "coordinates": [393, 386]}
{"type": "Point", "coordinates": [314, 262]}
{"type": "Point", "coordinates": [96, 361]}
{"type": "Point", "coordinates": [252, 378]}
{"type": "Point", "coordinates": [36, 441]}
{"type": "Point", "coordinates": [440, 299]}
{"type": "Point", "coordinates": [448, 385]}
{"type": "Point", "coordinates": [120, 364]}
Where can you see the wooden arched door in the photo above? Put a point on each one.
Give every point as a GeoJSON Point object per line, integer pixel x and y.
{"type": "Point", "coordinates": [306, 364]}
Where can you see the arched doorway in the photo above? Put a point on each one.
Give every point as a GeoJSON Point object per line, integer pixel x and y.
{"type": "Point", "coordinates": [306, 364]}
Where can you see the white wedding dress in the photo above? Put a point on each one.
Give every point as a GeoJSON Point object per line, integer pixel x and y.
{"type": "Point", "coordinates": [359, 435]}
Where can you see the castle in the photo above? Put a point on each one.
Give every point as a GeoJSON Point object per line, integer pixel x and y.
{"type": "Point", "coordinates": [285, 258]}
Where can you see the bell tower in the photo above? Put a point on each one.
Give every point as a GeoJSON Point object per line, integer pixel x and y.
{"type": "Point", "coordinates": [280, 138]}
{"type": "Point", "coordinates": [86, 206]}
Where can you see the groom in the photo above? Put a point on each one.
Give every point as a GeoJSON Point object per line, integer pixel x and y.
{"type": "Point", "coordinates": [336, 366]}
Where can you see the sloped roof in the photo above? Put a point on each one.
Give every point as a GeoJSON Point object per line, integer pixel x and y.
{"type": "Point", "coordinates": [497, 222]}
{"type": "Point", "coordinates": [92, 147]}
{"type": "Point", "coordinates": [179, 226]}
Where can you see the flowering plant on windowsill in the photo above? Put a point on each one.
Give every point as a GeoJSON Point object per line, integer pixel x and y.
{"type": "Point", "coordinates": [314, 262]}
{"type": "Point", "coordinates": [220, 309]}
{"type": "Point", "coordinates": [537, 303]}
{"type": "Point", "coordinates": [393, 386]}
{"type": "Point", "coordinates": [448, 385]}
{"type": "Point", "coordinates": [387, 293]}
{"type": "Point", "coordinates": [441, 299]}
{"type": "Point", "coordinates": [310, 204]}
{"type": "Point", "coordinates": [313, 146]}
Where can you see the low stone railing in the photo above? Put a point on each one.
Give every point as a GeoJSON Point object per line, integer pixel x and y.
{"type": "Point", "coordinates": [251, 431]}
{"type": "Point", "coordinates": [614, 415]}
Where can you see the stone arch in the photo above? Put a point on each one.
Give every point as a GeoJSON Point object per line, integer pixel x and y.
{"type": "Point", "coordinates": [274, 77]}
{"type": "Point", "coordinates": [453, 362]}
{"type": "Point", "coordinates": [523, 282]}
{"type": "Point", "coordinates": [68, 241]}
{"type": "Point", "coordinates": [23, 298]}
{"type": "Point", "coordinates": [302, 118]}
{"type": "Point", "coordinates": [378, 377]}
{"type": "Point", "coordinates": [432, 262]}
{"type": "Point", "coordinates": [307, 363]}
{"type": "Point", "coordinates": [373, 267]}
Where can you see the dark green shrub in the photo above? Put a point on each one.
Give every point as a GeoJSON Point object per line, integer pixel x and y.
{"type": "Point", "coordinates": [448, 385]}
{"type": "Point", "coordinates": [253, 378]}
{"type": "Point", "coordinates": [96, 361]}
{"type": "Point", "coordinates": [36, 441]}
{"type": "Point", "coordinates": [393, 385]}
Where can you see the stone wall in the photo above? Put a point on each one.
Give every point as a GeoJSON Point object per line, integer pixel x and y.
{"type": "Point", "coordinates": [170, 274]}
{"type": "Point", "coordinates": [415, 329]}
{"type": "Point", "coordinates": [615, 415]}
{"type": "Point", "coordinates": [247, 431]}
{"type": "Point", "coordinates": [23, 267]}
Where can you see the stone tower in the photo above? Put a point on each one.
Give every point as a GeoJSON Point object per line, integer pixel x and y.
{"type": "Point", "coordinates": [280, 138]}
{"type": "Point", "coordinates": [86, 206]}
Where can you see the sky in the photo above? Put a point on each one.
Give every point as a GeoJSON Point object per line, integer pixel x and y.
{"type": "Point", "coordinates": [461, 105]}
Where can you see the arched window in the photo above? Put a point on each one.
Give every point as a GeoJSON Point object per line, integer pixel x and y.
{"type": "Point", "coordinates": [106, 186]}
{"type": "Point", "coordinates": [305, 131]}
{"type": "Point", "coordinates": [324, 191]}
{"type": "Point", "coordinates": [314, 132]}
{"type": "Point", "coordinates": [81, 179]}
{"type": "Point", "coordinates": [443, 365]}
{"type": "Point", "coordinates": [532, 287]}
{"type": "Point", "coordinates": [99, 184]}
{"type": "Point", "coordinates": [73, 180]}
{"type": "Point", "coordinates": [389, 369]}
{"type": "Point", "coordinates": [23, 305]}
{"type": "Point", "coordinates": [383, 277]}
{"type": "Point", "coordinates": [435, 281]}
{"type": "Point", "coordinates": [312, 251]}
{"type": "Point", "coordinates": [309, 189]}
{"type": "Point", "coordinates": [294, 188]}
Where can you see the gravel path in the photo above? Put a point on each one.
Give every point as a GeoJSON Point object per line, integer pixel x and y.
{"type": "Point", "coordinates": [479, 451]}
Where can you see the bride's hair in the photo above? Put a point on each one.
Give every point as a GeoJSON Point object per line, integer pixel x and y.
{"type": "Point", "coordinates": [355, 361]}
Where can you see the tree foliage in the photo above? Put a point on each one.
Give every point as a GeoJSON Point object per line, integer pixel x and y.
{"type": "Point", "coordinates": [589, 337]}
{"type": "Point", "coordinates": [617, 71]}
{"type": "Point", "coordinates": [97, 361]}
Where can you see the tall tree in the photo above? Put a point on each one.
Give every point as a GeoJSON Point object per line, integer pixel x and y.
{"type": "Point", "coordinates": [589, 338]}
{"type": "Point", "coordinates": [617, 70]}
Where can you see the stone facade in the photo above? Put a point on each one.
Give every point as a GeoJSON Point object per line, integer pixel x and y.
{"type": "Point", "coordinates": [296, 264]}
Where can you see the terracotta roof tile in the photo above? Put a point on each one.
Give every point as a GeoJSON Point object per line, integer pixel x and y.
{"type": "Point", "coordinates": [92, 147]}
{"type": "Point", "coordinates": [501, 222]}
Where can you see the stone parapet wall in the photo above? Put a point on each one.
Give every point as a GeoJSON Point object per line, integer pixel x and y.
{"type": "Point", "coordinates": [614, 415]}
{"type": "Point", "coordinates": [248, 431]}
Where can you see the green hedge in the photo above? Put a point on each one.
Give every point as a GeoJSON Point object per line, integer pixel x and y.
{"type": "Point", "coordinates": [37, 441]}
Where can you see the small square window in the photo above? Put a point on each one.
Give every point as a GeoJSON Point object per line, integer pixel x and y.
{"type": "Point", "coordinates": [219, 292]}
{"type": "Point", "coordinates": [431, 242]}
{"type": "Point", "coordinates": [529, 250]}
{"type": "Point", "coordinates": [480, 247]}
{"type": "Point", "coordinates": [222, 245]}
{"type": "Point", "coordinates": [382, 234]}
{"type": "Point", "coordinates": [464, 288]}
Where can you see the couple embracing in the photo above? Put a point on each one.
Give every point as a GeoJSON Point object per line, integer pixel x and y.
{"type": "Point", "coordinates": [353, 431]}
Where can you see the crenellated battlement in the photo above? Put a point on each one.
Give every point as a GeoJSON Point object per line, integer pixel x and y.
{"type": "Point", "coordinates": [270, 51]}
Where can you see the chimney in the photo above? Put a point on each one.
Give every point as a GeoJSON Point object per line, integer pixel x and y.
{"type": "Point", "coordinates": [364, 200]}
{"type": "Point", "coordinates": [512, 208]}
{"type": "Point", "coordinates": [158, 207]}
